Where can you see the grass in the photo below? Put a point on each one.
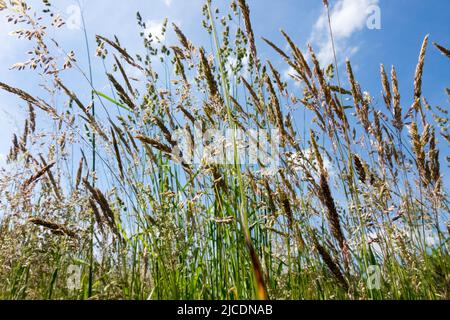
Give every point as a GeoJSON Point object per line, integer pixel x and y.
{"type": "Point", "coordinates": [348, 213]}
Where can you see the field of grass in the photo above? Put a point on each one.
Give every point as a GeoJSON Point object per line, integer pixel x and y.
{"type": "Point", "coordinates": [99, 200]}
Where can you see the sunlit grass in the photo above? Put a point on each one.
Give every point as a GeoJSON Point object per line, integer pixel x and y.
{"type": "Point", "coordinates": [355, 210]}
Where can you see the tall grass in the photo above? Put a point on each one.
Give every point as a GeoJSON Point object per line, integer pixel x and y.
{"type": "Point", "coordinates": [108, 192]}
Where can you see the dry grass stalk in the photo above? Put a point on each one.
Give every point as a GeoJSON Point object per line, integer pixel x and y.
{"type": "Point", "coordinates": [97, 215]}
{"type": "Point", "coordinates": [124, 75]}
{"type": "Point", "coordinates": [24, 138]}
{"type": "Point", "coordinates": [419, 70]}
{"type": "Point", "coordinates": [332, 214]}
{"type": "Point", "coordinates": [442, 49]}
{"type": "Point", "coordinates": [154, 143]}
{"type": "Point", "coordinates": [433, 155]}
{"type": "Point", "coordinates": [418, 149]}
{"type": "Point", "coordinates": [277, 49]}
{"type": "Point", "coordinates": [317, 155]}
{"type": "Point", "coordinates": [361, 106]}
{"type": "Point", "coordinates": [360, 169]}
{"type": "Point", "coordinates": [121, 92]}
{"type": "Point", "coordinates": [178, 52]}
{"type": "Point", "coordinates": [121, 136]}
{"type": "Point", "coordinates": [52, 179]}
{"type": "Point", "coordinates": [290, 215]}
{"type": "Point", "coordinates": [270, 197]}
{"type": "Point", "coordinates": [207, 72]}
{"type": "Point", "coordinates": [159, 222]}
{"type": "Point", "coordinates": [377, 132]}
{"type": "Point", "coordinates": [274, 111]}
{"type": "Point", "coordinates": [357, 98]}
{"type": "Point", "coordinates": [292, 134]}
{"type": "Point", "coordinates": [164, 130]}
{"type": "Point", "coordinates": [248, 27]}
{"type": "Point", "coordinates": [121, 50]}
{"type": "Point", "coordinates": [320, 77]}
{"type": "Point", "coordinates": [28, 98]}
{"type": "Point", "coordinates": [301, 61]}
{"type": "Point", "coordinates": [261, 291]}
{"type": "Point", "coordinates": [218, 180]}
{"type": "Point", "coordinates": [254, 95]}
{"type": "Point", "coordinates": [15, 149]}
{"type": "Point", "coordinates": [331, 264]}
{"type": "Point", "coordinates": [187, 114]}
{"type": "Point", "coordinates": [32, 117]}
{"type": "Point", "coordinates": [227, 220]}
{"type": "Point", "coordinates": [386, 87]}
{"type": "Point", "coordinates": [79, 174]}
{"type": "Point", "coordinates": [179, 67]}
{"type": "Point", "coordinates": [53, 227]}
{"type": "Point", "coordinates": [301, 67]}
{"type": "Point", "coordinates": [239, 109]}
{"type": "Point", "coordinates": [101, 200]}
{"type": "Point", "coordinates": [38, 175]}
{"type": "Point", "coordinates": [277, 77]}
{"type": "Point", "coordinates": [182, 38]}
{"type": "Point", "coordinates": [90, 119]}
{"type": "Point", "coordinates": [397, 111]}
{"type": "Point", "coordinates": [117, 153]}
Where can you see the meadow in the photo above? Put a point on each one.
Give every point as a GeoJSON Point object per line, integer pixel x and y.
{"type": "Point", "coordinates": [100, 200]}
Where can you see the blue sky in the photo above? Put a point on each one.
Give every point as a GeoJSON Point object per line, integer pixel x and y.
{"type": "Point", "coordinates": [404, 23]}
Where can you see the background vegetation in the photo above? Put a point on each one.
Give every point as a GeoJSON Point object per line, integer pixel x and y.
{"type": "Point", "coordinates": [99, 189]}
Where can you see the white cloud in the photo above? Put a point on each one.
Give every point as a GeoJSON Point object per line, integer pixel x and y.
{"type": "Point", "coordinates": [74, 19]}
{"type": "Point", "coordinates": [155, 27]}
{"type": "Point", "coordinates": [2, 160]}
{"type": "Point", "coordinates": [168, 2]}
{"type": "Point", "coordinates": [8, 51]}
{"type": "Point", "coordinates": [287, 76]}
{"type": "Point", "coordinates": [347, 18]}
{"type": "Point", "coordinates": [299, 162]}
{"type": "Point", "coordinates": [232, 64]}
{"type": "Point", "coordinates": [288, 72]}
